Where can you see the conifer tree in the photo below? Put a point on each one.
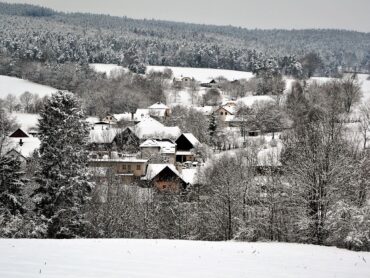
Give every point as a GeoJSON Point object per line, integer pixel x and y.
{"type": "Point", "coordinates": [11, 183]}
{"type": "Point", "coordinates": [62, 177]}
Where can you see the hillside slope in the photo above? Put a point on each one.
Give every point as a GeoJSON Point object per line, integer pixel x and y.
{"type": "Point", "coordinates": [166, 258]}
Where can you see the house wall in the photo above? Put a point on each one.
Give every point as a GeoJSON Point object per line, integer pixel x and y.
{"type": "Point", "coordinates": [222, 113]}
{"type": "Point", "coordinates": [124, 167]}
{"type": "Point", "coordinates": [110, 119]}
{"type": "Point", "coordinates": [184, 158]}
{"type": "Point", "coordinates": [171, 185]}
{"type": "Point", "coordinates": [167, 181]}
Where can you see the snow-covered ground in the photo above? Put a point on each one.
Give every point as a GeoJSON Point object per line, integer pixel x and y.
{"type": "Point", "coordinates": [200, 74]}
{"type": "Point", "coordinates": [204, 74]}
{"type": "Point", "coordinates": [365, 85]}
{"type": "Point", "coordinates": [17, 86]}
{"type": "Point", "coordinates": [166, 258]}
{"type": "Point", "coordinates": [26, 121]}
{"type": "Point", "coordinates": [109, 69]}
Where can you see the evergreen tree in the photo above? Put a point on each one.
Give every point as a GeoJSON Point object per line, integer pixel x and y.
{"type": "Point", "coordinates": [212, 126]}
{"type": "Point", "coordinates": [11, 184]}
{"type": "Point", "coordinates": [62, 177]}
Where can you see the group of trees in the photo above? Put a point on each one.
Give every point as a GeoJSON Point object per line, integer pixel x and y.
{"type": "Point", "coordinates": [50, 203]}
{"type": "Point", "coordinates": [122, 92]}
{"type": "Point", "coordinates": [27, 102]}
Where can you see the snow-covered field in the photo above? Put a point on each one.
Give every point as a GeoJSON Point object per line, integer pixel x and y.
{"type": "Point", "coordinates": [26, 120]}
{"type": "Point", "coordinates": [17, 86]}
{"type": "Point", "coordinates": [186, 97]}
{"type": "Point", "coordinates": [109, 69]}
{"type": "Point", "coordinates": [166, 258]}
{"type": "Point", "coordinates": [200, 74]}
{"type": "Point", "coordinates": [204, 74]}
{"type": "Point", "coordinates": [365, 85]}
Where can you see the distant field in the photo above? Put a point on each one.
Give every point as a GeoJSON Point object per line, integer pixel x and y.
{"type": "Point", "coordinates": [200, 74]}
{"type": "Point", "coordinates": [26, 120]}
{"type": "Point", "coordinates": [204, 74]}
{"type": "Point", "coordinates": [173, 258]}
{"type": "Point", "coordinates": [17, 86]}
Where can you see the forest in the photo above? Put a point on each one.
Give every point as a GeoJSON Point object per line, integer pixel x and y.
{"type": "Point", "coordinates": [34, 33]}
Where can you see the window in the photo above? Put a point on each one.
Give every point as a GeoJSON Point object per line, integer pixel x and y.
{"type": "Point", "coordinates": [221, 113]}
{"type": "Point", "coordinates": [129, 167]}
{"type": "Point", "coordinates": [138, 167]}
{"type": "Point", "coordinates": [123, 167]}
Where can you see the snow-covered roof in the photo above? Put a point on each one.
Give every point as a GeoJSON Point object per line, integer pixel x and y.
{"type": "Point", "coordinates": [103, 136]}
{"type": "Point", "coordinates": [151, 128]}
{"type": "Point", "coordinates": [229, 108]}
{"type": "Point", "coordinates": [141, 114]}
{"type": "Point", "coordinates": [154, 169]}
{"type": "Point", "coordinates": [158, 105]}
{"type": "Point", "coordinates": [123, 116]}
{"type": "Point", "coordinates": [184, 153]}
{"type": "Point", "coordinates": [166, 146]}
{"type": "Point", "coordinates": [121, 159]}
{"type": "Point", "coordinates": [191, 138]}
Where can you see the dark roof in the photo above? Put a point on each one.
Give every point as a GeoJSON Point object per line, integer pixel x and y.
{"type": "Point", "coordinates": [19, 133]}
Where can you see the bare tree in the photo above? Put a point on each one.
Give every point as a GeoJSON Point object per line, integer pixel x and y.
{"type": "Point", "coordinates": [364, 123]}
{"type": "Point", "coordinates": [10, 102]}
{"type": "Point", "coordinates": [26, 100]}
{"type": "Point", "coordinates": [351, 91]}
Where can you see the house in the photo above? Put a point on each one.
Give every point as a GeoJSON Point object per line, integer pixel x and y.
{"type": "Point", "coordinates": [159, 110]}
{"type": "Point", "coordinates": [226, 113]}
{"type": "Point", "coordinates": [126, 168]}
{"type": "Point", "coordinates": [101, 125]}
{"type": "Point", "coordinates": [182, 81]}
{"type": "Point", "coordinates": [127, 140]}
{"type": "Point", "coordinates": [110, 119]}
{"type": "Point", "coordinates": [164, 178]}
{"type": "Point", "coordinates": [151, 128]}
{"type": "Point", "coordinates": [18, 155]}
{"type": "Point", "coordinates": [185, 143]}
{"type": "Point", "coordinates": [21, 145]}
{"type": "Point", "coordinates": [114, 138]}
{"type": "Point", "coordinates": [210, 84]}
{"type": "Point", "coordinates": [102, 138]}
{"type": "Point", "coordinates": [162, 147]}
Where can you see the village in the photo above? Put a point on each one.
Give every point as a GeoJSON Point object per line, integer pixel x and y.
{"type": "Point", "coordinates": [139, 150]}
